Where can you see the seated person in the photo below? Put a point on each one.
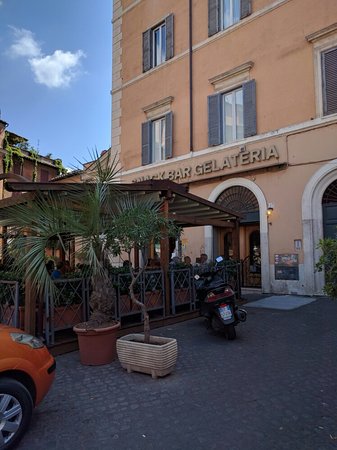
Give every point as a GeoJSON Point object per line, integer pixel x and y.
{"type": "Point", "coordinates": [57, 273]}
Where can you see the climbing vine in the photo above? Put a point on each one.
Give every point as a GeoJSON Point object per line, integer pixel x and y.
{"type": "Point", "coordinates": [61, 169]}
{"type": "Point", "coordinates": [11, 152]}
{"type": "Point", "coordinates": [14, 147]}
{"type": "Point", "coordinates": [34, 155]}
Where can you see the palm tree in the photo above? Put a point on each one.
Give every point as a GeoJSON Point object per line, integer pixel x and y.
{"type": "Point", "coordinates": [102, 220]}
{"type": "Point", "coordinates": [84, 213]}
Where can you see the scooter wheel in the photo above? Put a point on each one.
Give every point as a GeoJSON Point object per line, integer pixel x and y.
{"type": "Point", "coordinates": [231, 332]}
{"type": "Point", "coordinates": [217, 325]}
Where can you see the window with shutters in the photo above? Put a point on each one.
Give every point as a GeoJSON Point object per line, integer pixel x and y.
{"type": "Point", "coordinates": [157, 139]}
{"type": "Point", "coordinates": [229, 13]}
{"type": "Point", "coordinates": [225, 13]}
{"type": "Point", "coordinates": [158, 44]}
{"type": "Point", "coordinates": [232, 107]}
{"type": "Point", "coordinates": [324, 43]}
{"type": "Point", "coordinates": [232, 115]}
{"type": "Point", "coordinates": [329, 81]}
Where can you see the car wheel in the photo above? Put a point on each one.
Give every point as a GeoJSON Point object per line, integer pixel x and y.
{"type": "Point", "coordinates": [16, 407]}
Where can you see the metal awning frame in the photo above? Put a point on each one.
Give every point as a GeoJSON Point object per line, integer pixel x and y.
{"type": "Point", "coordinates": [186, 209]}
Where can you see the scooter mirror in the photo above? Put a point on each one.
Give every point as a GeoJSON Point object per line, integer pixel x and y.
{"type": "Point", "coordinates": [219, 259]}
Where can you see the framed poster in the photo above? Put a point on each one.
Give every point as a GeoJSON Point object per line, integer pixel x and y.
{"type": "Point", "coordinates": [286, 266]}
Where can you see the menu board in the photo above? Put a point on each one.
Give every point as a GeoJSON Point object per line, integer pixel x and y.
{"type": "Point", "coordinates": [286, 266]}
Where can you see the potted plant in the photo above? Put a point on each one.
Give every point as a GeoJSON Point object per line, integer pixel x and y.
{"type": "Point", "coordinates": [138, 222]}
{"type": "Point", "coordinates": [84, 213]}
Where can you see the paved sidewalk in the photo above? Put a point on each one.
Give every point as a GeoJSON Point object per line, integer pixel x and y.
{"type": "Point", "coordinates": [275, 387]}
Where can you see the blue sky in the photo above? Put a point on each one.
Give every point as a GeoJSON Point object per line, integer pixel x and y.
{"type": "Point", "coordinates": [55, 75]}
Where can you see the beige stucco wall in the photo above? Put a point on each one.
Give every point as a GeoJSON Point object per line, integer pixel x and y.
{"type": "Point", "coordinates": [133, 101]}
{"type": "Point", "coordinates": [274, 40]}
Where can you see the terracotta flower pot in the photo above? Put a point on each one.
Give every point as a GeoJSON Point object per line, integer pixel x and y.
{"type": "Point", "coordinates": [97, 346]}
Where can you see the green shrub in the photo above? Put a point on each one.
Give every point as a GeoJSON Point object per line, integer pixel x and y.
{"type": "Point", "coordinates": [328, 263]}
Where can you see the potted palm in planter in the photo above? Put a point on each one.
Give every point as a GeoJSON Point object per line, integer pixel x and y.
{"type": "Point", "coordinates": [138, 222]}
{"type": "Point", "coordinates": [83, 213]}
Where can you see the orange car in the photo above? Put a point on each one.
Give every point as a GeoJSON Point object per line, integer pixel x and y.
{"type": "Point", "coordinates": [27, 371]}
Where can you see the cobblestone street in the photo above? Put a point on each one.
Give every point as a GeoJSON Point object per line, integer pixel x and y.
{"type": "Point", "coordinates": [272, 388]}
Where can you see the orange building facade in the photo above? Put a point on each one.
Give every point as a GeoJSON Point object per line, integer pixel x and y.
{"type": "Point", "coordinates": [238, 100]}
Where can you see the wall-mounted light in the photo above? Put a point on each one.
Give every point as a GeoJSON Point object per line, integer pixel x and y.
{"type": "Point", "coordinates": [270, 209]}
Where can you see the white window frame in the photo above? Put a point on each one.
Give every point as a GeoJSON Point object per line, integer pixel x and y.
{"type": "Point", "coordinates": [320, 47]}
{"type": "Point", "coordinates": [234, 116]}
{"type": "Point", "coordinates": [233, 21]}
{"type": "Point", "coordinates": [158, 59]}
{"type": "Point", "coordinates": [156, 155]}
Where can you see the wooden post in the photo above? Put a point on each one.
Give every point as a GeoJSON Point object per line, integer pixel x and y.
{"type": "Point", "coordinates": [236, 247]}
{"type": "Point", "coordinates": [3, 243]}
{"type": "Point", "coordinates": [236, 240]}
{"type": "Point", "coordinates": [30, 303]}
{"type": "Point", "coordinates": [136, 257]}
{"type": "Point", "coordinates": [30, 307]}
{"type": "Point", "coordinates": [165, 260]}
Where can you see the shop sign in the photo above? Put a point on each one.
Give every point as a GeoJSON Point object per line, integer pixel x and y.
{"type": "Point", "coordinates": [286, 266]}
{"type": "Point", "coordinates": [243, 158]}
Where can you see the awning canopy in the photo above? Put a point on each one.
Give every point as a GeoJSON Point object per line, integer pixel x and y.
{"type": "Point", "coordinates": [185, 208]}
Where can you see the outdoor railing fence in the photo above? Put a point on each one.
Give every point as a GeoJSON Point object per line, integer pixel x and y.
{"type": "Point", "coordinates": [181, 289]}
{"type": "Point", "coordinates": [66, 306]}
{"type": "Point", "coordinates": [69, 304]}
{"type": "Point", "coordinates": [9, 302]}
{"type": "Point", "coordinates": [149, 289]}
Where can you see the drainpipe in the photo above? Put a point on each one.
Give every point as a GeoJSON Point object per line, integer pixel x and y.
{"type": "Point", "coordinates": [190, 72]}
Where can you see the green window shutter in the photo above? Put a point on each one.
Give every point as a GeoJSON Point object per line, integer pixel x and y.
{"type": "Point", "coordinates": [214, 120]}
{"type": "Point", "coordinates": [146, 143]}
{"type": "Point", "coordinates": [168, 135]}
{"type": "Point", "coordinates": [329, 77]}
{"type": "Point", "coordinates": [169, 37]}
{"type": "Point", "coordinates": [249, 108]}
{"type": "Point", "coordinates": [245, 8]}
{"type": "Point", "coordinates": [213, 17]}
{"type": "Point", "coordinates": [147, 53]}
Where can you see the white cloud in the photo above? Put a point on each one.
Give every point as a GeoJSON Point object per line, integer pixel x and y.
{"type": "Point", "coordinates": [54, 71]}
{"type": "Point", "coordinates": [24, 44]}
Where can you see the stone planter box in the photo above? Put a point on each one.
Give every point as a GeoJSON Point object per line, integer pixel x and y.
{"type": "Point", "coordinates": [157, 358]}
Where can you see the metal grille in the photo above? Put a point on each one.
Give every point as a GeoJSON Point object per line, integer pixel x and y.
{"type": "Point", "coordinates": [9, 303]}
{"type": "Point", "coordinates": [153, 292]}
{"type": "Point", "coordinates": [330, 194]}
{"type": "Point", "coordinates": [66, 307]}
{"type": "Point", "coordinates": [181, 291]}
{"type": "Point", "coordinates": [149, 290]}
{"type": "Point", "coordinates": [238, 199]}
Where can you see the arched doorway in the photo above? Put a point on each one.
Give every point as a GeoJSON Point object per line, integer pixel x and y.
{"type": "Point", "coordinates": [242, 200]}
{"type": "Point", "coordinates": [329, 205]}
{"type": "Point", "coordinates": [315, 226]}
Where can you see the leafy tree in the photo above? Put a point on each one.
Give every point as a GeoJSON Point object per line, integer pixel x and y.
{"type": "Point", "coordinates": [138, 222]}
